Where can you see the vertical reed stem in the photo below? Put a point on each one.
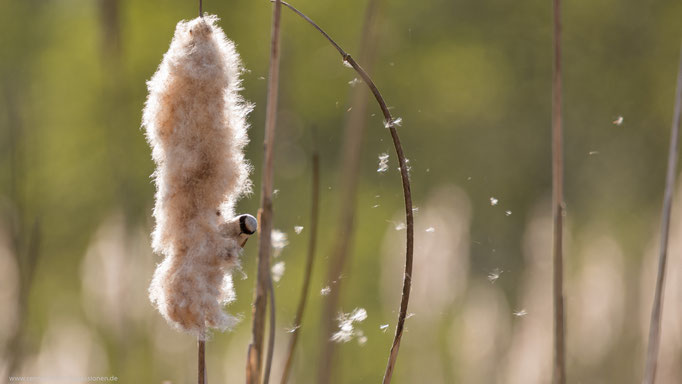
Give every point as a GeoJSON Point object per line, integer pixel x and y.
{"type": "Point", "coordinates": [312, 244]}
{"type": "Point", "coordinates": [657, 308]}
{"type": "Point", "coordinates": [202, 343]}
{"type": "Point", "coordinates": [271, 333]}
{"type": "Point", "coordinates": [202, 361]}
{"type": "Point", "coordinates": [558, 205]}
{"type": "Point", "coordinates": [255, 352]}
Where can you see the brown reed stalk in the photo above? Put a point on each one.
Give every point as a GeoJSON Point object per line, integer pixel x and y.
{"type": "Point", "coordinates": [409, 218]}
{"type": "Point", "coordinates": [271, 332]}
{"type": "Point", "coordinates": [201, 344]}
{"type": "Point", "coordinates": [559, 371]}
{"type": "Point", "coordinates": [354, 134]}
{"type": "Point", "coordinates": [657, 308]}
{"type": "Point", "coordinates": [312, 245]}
{"type": "Point", "coordinates": [255, 351]}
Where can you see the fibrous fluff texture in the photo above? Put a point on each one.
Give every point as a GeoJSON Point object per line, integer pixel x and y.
{"type": "Point", "coordinates": [195, 122]}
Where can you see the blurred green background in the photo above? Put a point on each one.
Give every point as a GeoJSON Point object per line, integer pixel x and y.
{"type": "Point", "coordinates": [471, 82]}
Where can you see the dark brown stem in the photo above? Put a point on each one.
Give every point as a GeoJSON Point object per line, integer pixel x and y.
{"type": "Point", "coordinates": [390, 123]}
{"type": "Point", "coordinates": [657, 308]}
{"type": "Point", "coordinates": [255, 352]}
{"type": "Point", "coordinates": [271, 333]}
{"type": "Point", "coordinates": [201, 9]}
{"type": "Point", "coordinates": [202, 361]}
{"type": "Point", "coordinates": [312, 244]}
{"type": "Point", "coordinates": [558, 206]}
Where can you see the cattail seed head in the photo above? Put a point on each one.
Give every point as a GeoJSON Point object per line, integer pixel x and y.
{"type": "Point", "coordinates": [195, 122]}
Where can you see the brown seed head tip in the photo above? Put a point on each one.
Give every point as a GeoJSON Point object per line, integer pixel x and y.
{"type": "Point", "coordinates": [202, 26]}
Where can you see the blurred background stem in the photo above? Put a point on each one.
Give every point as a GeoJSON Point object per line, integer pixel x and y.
{"type": "Point", "coordinates": [353, 139]}
{"type": "Point", "coordinates": [657, 307]}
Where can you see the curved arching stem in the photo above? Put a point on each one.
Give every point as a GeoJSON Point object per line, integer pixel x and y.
{"type": "Point", "coordinates": [407, 192]}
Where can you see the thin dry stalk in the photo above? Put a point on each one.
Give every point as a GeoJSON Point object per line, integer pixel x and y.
{"type": "Point", "coordinates": [558, 206]}
{"type": "Point", "coordinates": [201, 344]}
{"type": "Point", "coordinates": [657, 309]}
{"type": "Point", "coordinates": [255, 352]}
{"type": "Point", "coordinates": [271, 333]}
{"type": "Point", "coordinates": [352, 155]}
{"type": "Point", "coordinates": [312, 244]}
{"type": "Point", "coordinates": [409, 218]}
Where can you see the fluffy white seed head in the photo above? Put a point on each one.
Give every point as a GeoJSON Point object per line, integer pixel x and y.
{"type": "Point", "coordinates": [195, 122]}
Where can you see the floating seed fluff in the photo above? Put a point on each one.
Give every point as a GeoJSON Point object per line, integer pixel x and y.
{"type": "Point", "coordinates": [195, 122]}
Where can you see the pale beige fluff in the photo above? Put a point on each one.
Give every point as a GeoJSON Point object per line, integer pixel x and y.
{"type": "Point", "coordinates": [195, 122]}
